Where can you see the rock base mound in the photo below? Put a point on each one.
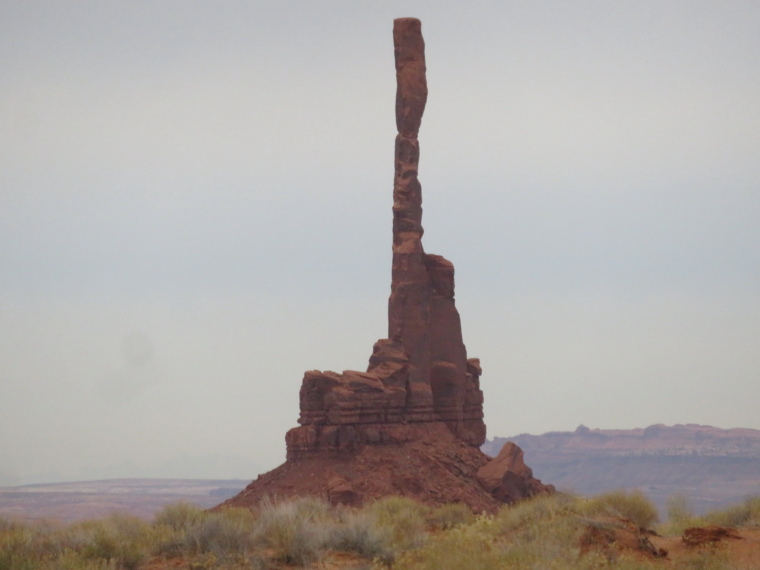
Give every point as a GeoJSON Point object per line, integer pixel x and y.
{"type": "Point", "coordinates": [429, 464]}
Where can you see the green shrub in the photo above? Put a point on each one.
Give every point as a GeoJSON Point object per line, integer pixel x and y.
{"type": "Point", "coordinates": [631, 505]}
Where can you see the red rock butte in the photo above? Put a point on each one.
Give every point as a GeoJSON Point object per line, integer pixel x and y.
{"type": "Point", "coordinates": [412, 423]}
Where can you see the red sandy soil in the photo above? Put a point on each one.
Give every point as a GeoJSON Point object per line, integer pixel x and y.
{"type": "Point", "coordinates": [620, 537]}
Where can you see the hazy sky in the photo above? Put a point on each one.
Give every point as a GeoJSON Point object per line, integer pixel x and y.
{"type": "Point", "coordinates": [195, 208]}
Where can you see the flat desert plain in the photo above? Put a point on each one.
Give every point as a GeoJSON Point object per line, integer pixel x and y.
{"type": "Point", "coordinates": [93, 499]}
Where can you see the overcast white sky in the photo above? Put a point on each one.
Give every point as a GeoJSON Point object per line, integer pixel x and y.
{"type": "Point", "coordinates": [195, 208]}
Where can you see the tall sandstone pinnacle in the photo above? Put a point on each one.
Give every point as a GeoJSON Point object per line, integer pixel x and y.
{"type": "Point", "coordinates": [412, 423]}
{"type": "Point", "coordinates": [421, 311]}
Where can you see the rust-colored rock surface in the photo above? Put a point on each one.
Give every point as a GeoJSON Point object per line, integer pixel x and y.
{"type": "Point", "coordinates": [701, 536]}
{"type": "Point", "coordinates": [615, 536]}
{"type": "Point", "coordinates": [508, 478]}
{"type": "Point", "coordinates": [412, 423]}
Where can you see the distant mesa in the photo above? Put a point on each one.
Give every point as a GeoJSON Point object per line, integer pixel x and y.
{"type": "Point", "coordinates": [412, 424]}
{"type": "Point", "coordinates": [712, 467]}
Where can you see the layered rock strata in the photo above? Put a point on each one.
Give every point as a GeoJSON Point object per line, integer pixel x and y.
{"type": "Point", "coordinates": [420, 373]}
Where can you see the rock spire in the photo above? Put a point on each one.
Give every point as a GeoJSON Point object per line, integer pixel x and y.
{"type": "Point", "coordinates": [412, 423]}
{"type": "Point", "coordinates": [420, 373]}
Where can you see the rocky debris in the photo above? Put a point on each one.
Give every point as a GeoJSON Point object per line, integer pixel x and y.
{"type": "Point", "coordinates": [412, 423]}
{"type": "Point", "coordinates": [508, 478]}
{"type": "Point", "coordinates": [701, 536]}
{"type": "Point", "coordinates": [612, 536]}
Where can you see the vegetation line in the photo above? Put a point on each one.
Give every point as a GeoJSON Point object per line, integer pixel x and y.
{"type": "Point", "coordinates": [550, 531]}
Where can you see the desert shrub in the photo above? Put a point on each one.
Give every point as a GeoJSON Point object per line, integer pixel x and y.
{"type": "Point", "coordinates": [631, 505]}
{"type": "Point", "coordinates": [123, 540]}
{"type": "Point", "coordinates": [359, 532]}
{"type": "Point", "coordinates": [294, 530]}
{"type": "Point", "coordinates": [16, 547]}
{"type": "Point", "coordinates": [549, 542]}
{"type": "Point", "coordinates": [313, 508]}
{"type": "Point", "coordinates": [746, 513]}
{"type": "Point", "coordinates": [179, 516]}
{"type": "Point", "coordinates": [46, 545]}
{"type": "Point", "coordinates": [72, 560]}
{"type": "Point", "coordinates": [402, 518]}
{"type": "Point", "coordinates": [680, 516]}
{"type": "Point", "coordinates": [545, 532]}
{"type": "Point", "coordinates": [79, 537]}
{"type": "Point", "coordinates": [534, 534]}
{"type": "Point", "coordinates": [463, 547]}
{"type": "Point", "coordinates": [9, 524]}
{"type": "Point", "coordinates": [540, 508]}
{"type": "Point", "coordinates": [679, 509]}
{"type": "Point", "coordinates": [450, 515]}
{"type": "Point", "coordinates": [226, 534]}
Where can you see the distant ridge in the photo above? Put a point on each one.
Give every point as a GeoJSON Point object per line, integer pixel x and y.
{"type": "Point", "coordinates": [711, 466]}
{"type": "Point", "coordinates": [82, 500]}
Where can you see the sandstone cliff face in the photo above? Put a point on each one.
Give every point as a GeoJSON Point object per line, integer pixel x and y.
{"type": "Point", "coordinates": [412, 423]}
{"type": "Point", "coordinates": [420, 373]}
